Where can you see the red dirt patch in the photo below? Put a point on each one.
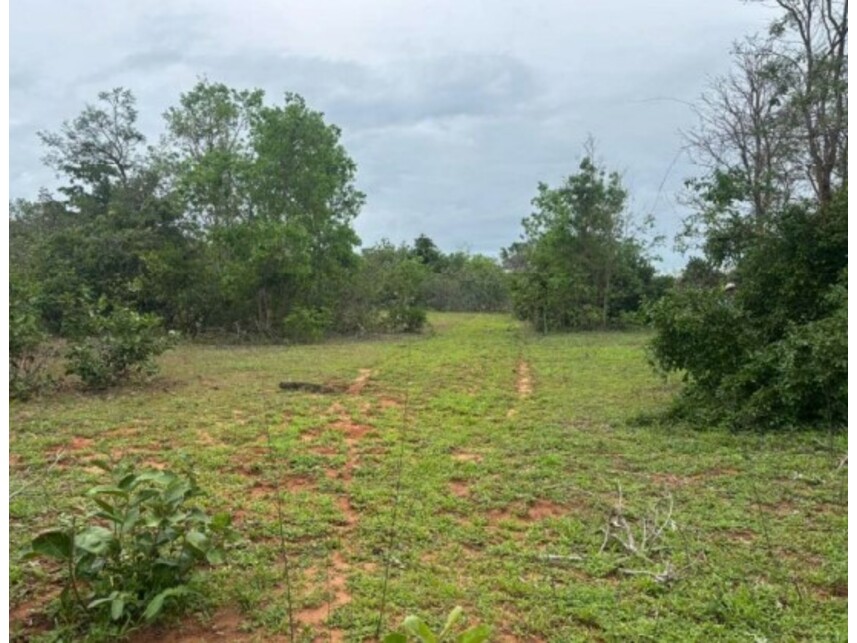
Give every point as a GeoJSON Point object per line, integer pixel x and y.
{"type": "Point", "coordinates": [360, 382]}
{"type": "Point", "coordinates": [337, 588]}
{"type": "Point", "coordinates": [313, 616]}
{"type": "Point", "coordinates": [324, 450]}
{"type": "Point", "coordinates": [226, 625]}
{"type": "Point", "coordinates": [309, 436]}
{"type": "Point", "coordinates": [743, 536]}
{"type": "Point", "coordinates": [122, 432]}
{"type": "Point", "coordinates": [497, 515]}
{"type": "Point", "coordinates": [31, 614]}
{"type": "Point", "coordinates": [339, 580]}
{"type": "Point", "coordinates": [78, 443]}
{"type": "Point", "coordinates": [459, 489]}
{"type": "Point", "coordinates": [676, 480]}
{"type": "Point", "coordinates": [388, 403]}
{"type": "Point", "coordinates": [542, 509]}
{"type": "Point", "coordinates": [299, 483]}
{"type": "Point", "coordinates": [336, 409]}
{"type": "Point", "coordinates": [262, 490]}
{"type": "Point", "coordinates": [352, 430]}
{"type": "Point", "coordinates": [204, 438]}
{"type": "Point", "coordinates": [344, 505]}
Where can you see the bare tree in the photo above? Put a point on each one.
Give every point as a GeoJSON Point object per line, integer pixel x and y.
{"type": "Point", "coordinates": [779, 119]}
{"type": "Point", "coordinates": [811, 38]}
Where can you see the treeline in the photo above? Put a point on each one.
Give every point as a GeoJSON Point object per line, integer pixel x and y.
{"type": "Point", "coordinates": [237, 222]}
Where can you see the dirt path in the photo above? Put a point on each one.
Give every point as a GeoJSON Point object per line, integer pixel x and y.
{"type": "Point", "coordinates": [360, 381]}
{"type": "Point", "coordinates": [524, 384]}
{"type": "Point", "coordinates": [335, 575]}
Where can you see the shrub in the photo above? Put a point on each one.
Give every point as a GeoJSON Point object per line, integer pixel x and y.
{"type": "Point", "coordinates": [407, 318]}
{"type": "Point", "coordinates": [738, 377]}
{"type": "Point", "coordinates": [119, 343]}
{"type": "Point", "coordinates": [135, 551]}
{"type": "Point", "coordinates": [700, 332]}
{"type": "Point", "coordinates": [27, 354]}
{"type": "Point", "coordinates": [800, 379]}
{"type": "Point", "coordinates": [306, 325]}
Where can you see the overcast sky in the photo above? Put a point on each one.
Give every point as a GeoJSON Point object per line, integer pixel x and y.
{"type": "Point", "coordinates": [453, 110]}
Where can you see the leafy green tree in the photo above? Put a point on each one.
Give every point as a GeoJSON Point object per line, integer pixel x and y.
{"type": "Point", "coordinates": [100, 146]}
{"type": "Point", "coordinates": [207, 147]}
{"type": "Point", "coordinates": [426, 251]}
{"type": "Point", "coordinates": [582, 266]}
{"type": "Point", "coordinates": [771, 351]}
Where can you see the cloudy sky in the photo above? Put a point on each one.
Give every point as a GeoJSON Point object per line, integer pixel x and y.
{"type": "Point", "coordinates": [453, 110]}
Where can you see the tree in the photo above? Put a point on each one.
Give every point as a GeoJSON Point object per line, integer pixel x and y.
{"type": "Point", "coordinates": [773, 130]}
{"type": "Point", "coordinates": [100, 146]}
{"type": "Point", "coordinates": [207, 146]}
{"type": "Point", "coordinates": [427, 252]}
{"type": "Point", "coordinates": [772, 212]}
{"type": "Point", "coordinates": [577, 245]}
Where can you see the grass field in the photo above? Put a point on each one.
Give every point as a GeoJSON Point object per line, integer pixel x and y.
{"type": "Point", "coordinates": [512, 455]}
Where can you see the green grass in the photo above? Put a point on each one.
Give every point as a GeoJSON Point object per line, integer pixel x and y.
{"type": "Point", "coordinates": [493, 484]}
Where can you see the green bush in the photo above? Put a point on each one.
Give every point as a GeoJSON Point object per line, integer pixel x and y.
{"type": "Point", "coordinates": [772, 352]}
{"type": "Point", "coordinates": [135, 550]}
{"type": "Point", "coordinates": [702, 333]}
{"type": "Point", "coordinates": [800, 379]}
{"type": "Point", "coordinates": [407, 318]}
{"type": "Point", "coordinates": [119, 343]}
{"type": "Point", "coordinates": [28, 355]}
{"type": "Point", "coordinates": [735, 376]}
{"type": "Point", "coordinates": [306, 325]}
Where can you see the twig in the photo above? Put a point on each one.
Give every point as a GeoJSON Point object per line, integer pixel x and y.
{"type": "Point", "coordinates": [555, 558]}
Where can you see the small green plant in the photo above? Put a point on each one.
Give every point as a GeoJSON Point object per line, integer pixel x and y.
{"type": "Point", "coordinates": [417, 630]}
{"type": "Point", "coordinates": [118, 344]}
{"type": "Point", "coordinates": [135, 551]}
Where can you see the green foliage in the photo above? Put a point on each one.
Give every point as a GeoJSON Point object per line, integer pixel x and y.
{"type": "Point", "coordinates": [771, 217]}
{"type": "Point", "coordinates": [578, 267]}
{"type": "Point", "coordinates": [417, 630]}
{"type": "Point", "coordinates": [306, 326]}
{"type": "Point", "coordinates": [134, 552]}
{"type": "Point", "coordinates": [27, 363]}
{"type": "Point", "coordinates": [799, 379]}
{"type": "Point", "coordinates": [119, 343]}
{"type": "Point", "coordinates": [468, 283]}
{"type": "Point", "coordinates": [701, 333]}
{"type": "Point", "coordinates": [773, 352]}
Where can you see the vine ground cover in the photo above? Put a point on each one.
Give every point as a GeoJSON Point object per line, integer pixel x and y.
{"type": "Point", "coordinates": [525, 486]}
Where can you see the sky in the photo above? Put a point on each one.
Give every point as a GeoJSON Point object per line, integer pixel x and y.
{"type": "Point", "coordinates": [453, 110]}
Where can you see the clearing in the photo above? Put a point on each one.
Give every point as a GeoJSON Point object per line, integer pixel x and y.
{"type": "Point", "coordinates": [523, 480]}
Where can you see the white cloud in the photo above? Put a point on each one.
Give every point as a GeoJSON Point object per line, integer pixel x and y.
{"type": "Point", "coordinates": [453, 109]}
